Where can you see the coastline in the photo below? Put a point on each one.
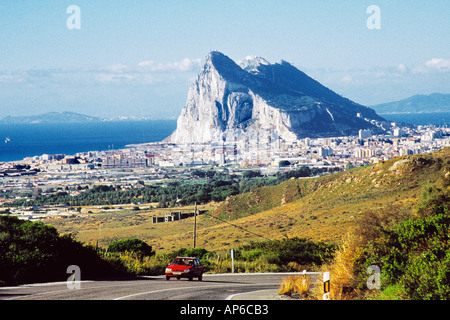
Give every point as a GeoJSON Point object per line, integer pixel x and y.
{"type": "Point", "coordinates": [38, 139]}
{"type": "Point", "coordinates": [419, 112]}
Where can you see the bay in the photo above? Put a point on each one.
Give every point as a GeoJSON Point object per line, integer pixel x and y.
{"type": "Point", "coordinates": [432, 118]}
{"type": "Point", "coordinates": [28, 140]}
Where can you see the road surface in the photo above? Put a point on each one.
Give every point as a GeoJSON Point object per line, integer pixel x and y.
{"type": "Point", "coordinates": [213, 287]}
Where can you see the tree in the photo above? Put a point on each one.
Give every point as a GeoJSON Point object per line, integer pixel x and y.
{"type": "Point", "coordinates": [37, 192]}
{"type": "Point", "coordinates": [284, 163]}
{"type": "Point", "coordinates": [162, 202]}
{"type": "Point", "coordinates": [251, 174]}
{"type": "Point", "coordinates": [34, 252]}
{"type": "Point", "coordinates": [132, 245]}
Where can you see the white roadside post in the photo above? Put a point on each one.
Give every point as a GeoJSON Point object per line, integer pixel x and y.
{"type": "Point", "coordinates": [232, 260]}
{"type": "Point", "coordinates": [304, 279]}
{"type": "Point", "coordinates": [326, 285]}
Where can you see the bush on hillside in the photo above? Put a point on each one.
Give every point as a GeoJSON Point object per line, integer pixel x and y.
{"type": "Point", "coordinates": [414, 254]}
{"type": "Point", "coordinates": [33, 252]}
{"type": "Point", "coordinates": [194, 252]}
{"type": "Point", "coordinates": [289, 250]}
{"type": "Point", "coordinates": [137, 246]}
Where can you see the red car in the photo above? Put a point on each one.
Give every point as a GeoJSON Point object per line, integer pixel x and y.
{"type": "Point", "coordinates": [185, 267]}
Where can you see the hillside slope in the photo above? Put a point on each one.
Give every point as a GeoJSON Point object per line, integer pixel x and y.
{"type": "Point", "coordinates": [436, 102]}
{"type": "Point", "coordinates": [322, 208]}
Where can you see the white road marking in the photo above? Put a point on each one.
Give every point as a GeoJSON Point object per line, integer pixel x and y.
{"type": "Point", "coordinates": [195, 287]}
{"type": "Point", "coordinates": [231, 296]}
{"type": "Point", "coordinates": [149, 292]}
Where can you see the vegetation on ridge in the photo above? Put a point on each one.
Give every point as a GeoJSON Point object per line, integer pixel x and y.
{"type": "Point", "coordinates": [32, 252]}
{"type": "Point", "coordinates": [203, 187]}
{"type": "Point", "coordinates": [396, 211]}
{"type": "Point", "coordinates": [411, 251]}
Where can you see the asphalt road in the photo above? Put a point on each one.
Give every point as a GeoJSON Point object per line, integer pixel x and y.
{"type": "Point", "coordinates": [213, 287]}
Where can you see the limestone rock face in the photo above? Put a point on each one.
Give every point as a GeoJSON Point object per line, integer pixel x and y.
{"type": "Point", "coordinates": [228, 102]}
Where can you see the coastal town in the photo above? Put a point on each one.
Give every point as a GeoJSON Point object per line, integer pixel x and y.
{"type": "Point", "coordinates": [157, 162]}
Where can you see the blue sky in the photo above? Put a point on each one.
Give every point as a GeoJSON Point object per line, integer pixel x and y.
{"type": "Point", "coordinates": [138, 58]}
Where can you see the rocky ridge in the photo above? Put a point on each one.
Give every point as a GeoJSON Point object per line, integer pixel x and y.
{"type": "Point", "coordinates": [229, 102]}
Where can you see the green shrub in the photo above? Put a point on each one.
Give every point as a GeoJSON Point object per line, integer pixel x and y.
{"type": "Point", "coordinates": [137, 246]}
{"type": "Point", "coordinates": [137, 265]}
{"type": "Point", "coordinates": [415, 253]}
{"type": "Point", "coordinates": [194, 252]}
{"type": "Point", "coordinates": [282, 252]}
{"type": "Point", "coordinates": [251, 255]}
{"type": "Point", "coordinates": [33, 252]}
{"type": "Point", "coordinates": [427, 278]}
{"type": "Point", "coordinates": [392, 292]}
{"type": "Point", "coordinates": [432, 201]}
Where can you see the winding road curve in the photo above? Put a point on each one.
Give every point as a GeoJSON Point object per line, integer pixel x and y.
{"type": "Point", "coordinates": [213, 287]}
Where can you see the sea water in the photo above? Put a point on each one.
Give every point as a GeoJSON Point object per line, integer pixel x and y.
{"type": "Point", "coordinates": [18, 141]}
{"type": "Point", "coordinates": [435, 118]}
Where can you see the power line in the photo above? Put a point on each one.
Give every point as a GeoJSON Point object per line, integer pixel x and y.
{"type": "Point", "coordinates": [236, 226]}
{"type": "Point", "coordinates": [195, 225]}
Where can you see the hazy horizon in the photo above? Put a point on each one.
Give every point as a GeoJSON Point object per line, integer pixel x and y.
{"type": "Point", "coordinates": [139, 59]}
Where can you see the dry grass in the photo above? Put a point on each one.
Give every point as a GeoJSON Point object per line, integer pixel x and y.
{"type": "Point", "coordinates": [295, 285]}
{"type": "Point", "coordinates": [320, 209]}
{"type": "Point", "coordinates": [342, 278]}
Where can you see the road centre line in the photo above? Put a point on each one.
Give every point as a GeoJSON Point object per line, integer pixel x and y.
{"type": "Point", "coordinates": [72, 290]}
{"type": "Point", "coordinates": [131, 284]}
{"type": "Point", "coordinates": [248, 274]}
{"type": "Point", "coordinates": [262, 273]}
{"type": "Point", "coordinates": [195, 287]}
{"type": "Point", "coordinates": [231, 296]}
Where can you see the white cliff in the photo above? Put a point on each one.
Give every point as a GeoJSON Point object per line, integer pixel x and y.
{"type": "Point", "coordinates": [228, 102]}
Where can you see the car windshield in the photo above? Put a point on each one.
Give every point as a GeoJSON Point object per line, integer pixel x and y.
{"type": "Point", "coordinates": [183, 262]}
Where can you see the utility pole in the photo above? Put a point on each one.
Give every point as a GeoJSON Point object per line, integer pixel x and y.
{"type": "Point", "coordinates": [100, 234]}
{"type": "Point", "coordinates": [195, 225]}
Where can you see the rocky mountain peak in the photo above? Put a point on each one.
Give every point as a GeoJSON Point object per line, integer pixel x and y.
{"type": "Point", "coordinates": [224, 67]}
{"type": "Point", "coordinates": [251, 64]}
{"type": "Point", "coordinates": [228, 100]}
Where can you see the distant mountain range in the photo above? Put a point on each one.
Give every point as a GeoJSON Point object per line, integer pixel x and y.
{"type": "Point", "coordinates": [69, 117]}
{"type": "Point", "coordinates": [312, 96]}
{"type": "Point", "coordinates": [51, 117]}
{"type": "Point", "coordinates": [420, 103]}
